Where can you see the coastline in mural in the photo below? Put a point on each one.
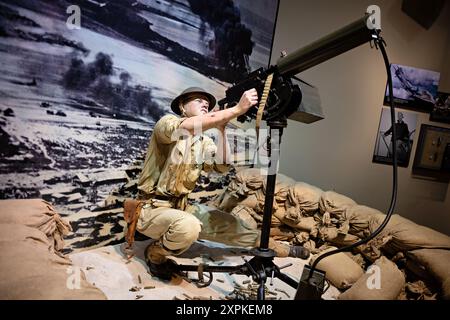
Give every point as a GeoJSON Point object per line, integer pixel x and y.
{"type": "Point", "coordinates": [78, 105]}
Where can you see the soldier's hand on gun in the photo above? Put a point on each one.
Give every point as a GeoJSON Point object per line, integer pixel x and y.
{"type": "Point", "coordinates": [249, 98]}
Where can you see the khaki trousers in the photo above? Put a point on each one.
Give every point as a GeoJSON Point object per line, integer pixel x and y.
{"type": "Point", "coordinates": [177, 229]}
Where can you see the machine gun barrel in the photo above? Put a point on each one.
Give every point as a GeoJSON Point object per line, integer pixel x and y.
{"type": "Point", "coordinates": [330, 46]}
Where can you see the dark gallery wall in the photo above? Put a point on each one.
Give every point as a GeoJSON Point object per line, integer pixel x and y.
{"type": "Point", "coordinates": [336, 153]}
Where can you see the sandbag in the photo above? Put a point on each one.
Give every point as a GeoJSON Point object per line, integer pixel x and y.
{"type": "Point", "coordinates": [302, 202]}
{"type": "Point", "coordinates": [437, 263]}
{"type": "Point", "coordinates": [13, 233]}
{"type": "Point", "coordinates": [227, 201]}
{"type": "Point", "coordinates": [407, 235]}
{"type": "Point", "coordinates": [246, 180]}
{"type": "Point", "coordinates": [244, 214]}
{"type": "Point", "coordinates": [282, 233]}
{"type": "Point", "coordinates": [278, 208]}
{"type": "Point", "coordinates": [36, 213]}
{"type": "Point", "coordinates": [391, 283]}
{"type": "Point", "coordinates": [248, 187]}
{"type": "Point", "coordinates": [359, 217]}
{"type": "Point", "coordinates": [417, 290]}
{"type": "Point", "coordinates": [339, 268]}
{"type": "Point", "coordinates": [399, 235]}
{"type": "Point", "coordinates": [354, 223]}
{"type": "Point", "coordinates": [372, 250]}
{"type": "Point", "coordinates": [332, 235]}
{"type": "Point", "coordinates": [311, 246]}
{"type": "Point", "coordinates": [275, 222]}
{"type": "Point", "coordinates": [303, 224]}
{"type": "Point", "coordinates": [304, 197]}
{"type": "Point", "coordinates": [256, 178]}
{"type": "Point", "coordinates": [250, 202]}
{"type": "Point", "coordinates": [334, 203]}
{"type": "Point", "coordinates": [282, 186]}
{"type": "Point", "coordinates": [302, 237]}
{"type": "Point", "coordinates": [31, 271]}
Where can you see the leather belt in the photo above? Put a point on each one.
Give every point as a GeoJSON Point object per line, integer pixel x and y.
{"type": "Point", "coordinates": [158, 200]}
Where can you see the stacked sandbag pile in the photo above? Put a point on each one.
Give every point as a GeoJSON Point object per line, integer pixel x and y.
{"type": "Point", "coordinates": [31, 266]}
{"type": "Point", "coordinates": [300, 208]}
{"type": "Point", "coordinates": [382, 280]}
{"type": "Point", "coordinates": [314, 215]}
{"type": "Point", "coordinates": [332, 224]}
{"type": "Point", "coordinates": [343, 222]}
{"type": "Point", "coordinates": [248, 188]}
{"type": "Point", "coordinates": [302, 202]}
{"type": "Point", "coordinates": [304, 214]}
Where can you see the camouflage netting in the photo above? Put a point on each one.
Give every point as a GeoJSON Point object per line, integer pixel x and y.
{"type": "Point", "coordinates": [413, 257]}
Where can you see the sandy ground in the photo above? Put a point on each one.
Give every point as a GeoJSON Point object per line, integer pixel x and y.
{"type": "Point", "coordinates": [107, 268]}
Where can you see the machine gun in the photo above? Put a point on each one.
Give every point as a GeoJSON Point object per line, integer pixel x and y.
{"type": "Point", "coordinates": [285, 96]}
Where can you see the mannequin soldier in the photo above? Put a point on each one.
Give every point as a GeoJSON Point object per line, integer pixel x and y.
{"type": "Point", "coordinates": [178, 151]}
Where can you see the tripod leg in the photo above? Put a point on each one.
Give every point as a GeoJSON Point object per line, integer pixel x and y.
{"type": "Point", "coordinates": [287, 279]}
{"type": "Point", "coordinates": [261, 289]}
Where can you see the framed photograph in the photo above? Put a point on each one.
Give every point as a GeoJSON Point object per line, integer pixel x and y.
{"type": "Point", "coordinates": [441, 110]}
{"type": "Point", "coordinates": [413, 88]}
{"type": "Point", "coordinates": [405, 125]}
{"type": "Point", "coordinates": [432, 156]}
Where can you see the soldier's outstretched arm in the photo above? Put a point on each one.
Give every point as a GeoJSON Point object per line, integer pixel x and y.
{"type": "Point", "coordinates": [217, 119]}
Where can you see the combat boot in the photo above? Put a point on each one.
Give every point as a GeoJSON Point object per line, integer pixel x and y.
{"type": "Point", "coordinates": [283, 250]}
{"type": "Point", "coordinates": [299, 252]}
{"type": "Point", "coordinates": [156, 259]}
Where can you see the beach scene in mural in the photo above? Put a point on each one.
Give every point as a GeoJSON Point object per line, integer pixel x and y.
{"type": "Point", "coordinates": [80, 94]}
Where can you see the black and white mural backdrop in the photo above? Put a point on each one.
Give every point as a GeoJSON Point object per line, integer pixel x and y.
{"type": "Point", "coordinates": [82, 83]}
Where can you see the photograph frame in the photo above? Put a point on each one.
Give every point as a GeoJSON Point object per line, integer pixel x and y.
{"type": "Point", "coordinates": [432, 157]}
{"type": "Point", "coordinates": [406, 129]}
{"type": "Point", "coordinates": [414, 88]}
{"type": "Point", "coordinates": [441, 110]}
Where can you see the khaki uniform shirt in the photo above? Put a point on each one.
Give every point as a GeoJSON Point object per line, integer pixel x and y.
{"type": "Point", "coordinates": [175, 159]}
